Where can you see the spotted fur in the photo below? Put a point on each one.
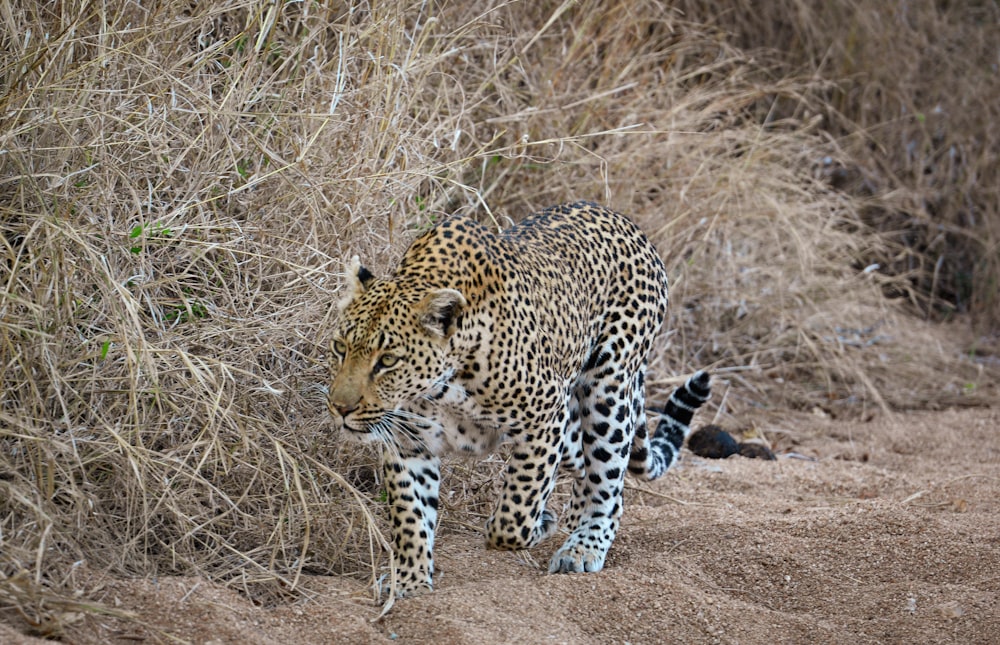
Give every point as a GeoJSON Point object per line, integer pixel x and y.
{"type": "Point", "coordinates": [540, 334]}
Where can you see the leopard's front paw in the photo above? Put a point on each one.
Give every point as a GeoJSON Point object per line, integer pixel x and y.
{"type": "Point", "coordinates": [412, 589]}
{"type": "Point", "coordinates": [404, 588]}
{"type": "Point", "coordinates": [574, 557]}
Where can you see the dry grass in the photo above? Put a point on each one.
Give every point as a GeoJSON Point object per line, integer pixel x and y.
{"type": "Point", "coordinates": [180, 183]}
{"type": "Point", "coordinates": [914, 106]}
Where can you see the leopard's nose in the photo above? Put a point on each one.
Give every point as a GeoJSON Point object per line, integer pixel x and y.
{"type": "Point", "coordinates": [344, 410]}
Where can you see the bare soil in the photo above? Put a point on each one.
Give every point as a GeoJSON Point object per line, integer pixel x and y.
{"type": "Point", "coordinates": [885, 531]}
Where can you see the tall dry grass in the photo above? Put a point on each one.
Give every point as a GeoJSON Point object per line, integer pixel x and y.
{"type": "Point", "coordinates": [180, 182]}
{"type": "Point", "coordinates": [913, 102]}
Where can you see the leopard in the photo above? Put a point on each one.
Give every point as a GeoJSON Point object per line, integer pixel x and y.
{"type": "Point", "coordinates": [536, 336]}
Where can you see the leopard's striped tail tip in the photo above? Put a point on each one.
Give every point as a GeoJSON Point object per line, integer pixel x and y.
{"type": "Point", "coordinates": [675, 421]}
{"type": "Point", "coordinates": [697, 390]}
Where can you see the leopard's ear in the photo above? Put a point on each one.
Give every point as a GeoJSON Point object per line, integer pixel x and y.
{"type": "Point", "coordinates": [438, 311]}
{"type": "Point", "coordinates": [358, 280]}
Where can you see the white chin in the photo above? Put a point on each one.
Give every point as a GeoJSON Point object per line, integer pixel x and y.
{"type": "Point", "coordinates": [355, 435]}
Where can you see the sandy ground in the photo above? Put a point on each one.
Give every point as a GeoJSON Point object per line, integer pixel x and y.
{"type": "Point", "coordinates": [879, 532]}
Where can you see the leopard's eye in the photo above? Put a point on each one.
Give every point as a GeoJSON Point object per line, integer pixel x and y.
{"type": "Point", "coordinates": [339, 347]}
{"type": "Point", "coordinates": [385, 361]}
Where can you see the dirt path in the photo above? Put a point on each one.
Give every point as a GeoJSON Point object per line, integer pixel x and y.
{"type": "Point", "coordinates": [892, 535]}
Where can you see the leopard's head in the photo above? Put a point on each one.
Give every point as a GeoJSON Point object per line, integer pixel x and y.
{"type": "Point", "coordinates": [390, 347]}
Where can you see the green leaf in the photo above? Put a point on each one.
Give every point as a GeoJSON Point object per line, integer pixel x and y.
{"type": "Point", "coordinates": [105, 346]}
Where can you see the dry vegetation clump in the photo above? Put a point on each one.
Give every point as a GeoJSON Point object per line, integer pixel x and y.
{"type": "Point", "coordinates": [913, 103]}
{"type": "Point", "coordinates": [179, 183]}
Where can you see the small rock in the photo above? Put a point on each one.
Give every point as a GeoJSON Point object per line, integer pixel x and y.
{"type": "Point", "coordinates": [950, 610]}
{"type": "Point", "coordinates": [712, 442]}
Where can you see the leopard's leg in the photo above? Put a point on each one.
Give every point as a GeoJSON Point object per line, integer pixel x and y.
{"type": "Point", "coordinates": [520, 520]}
{"type": "Point", "coordinates": [610, 408]}
{"type": "Point", "coordinates": [572, 459]}
{"type": "Point", "coordinates": [412, 482]}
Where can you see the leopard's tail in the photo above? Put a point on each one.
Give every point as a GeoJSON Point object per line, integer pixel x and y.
{"type": "Point", "coordinates": [654, 455]}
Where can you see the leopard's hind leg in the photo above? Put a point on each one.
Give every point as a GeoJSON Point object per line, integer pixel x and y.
{"type": "Point", "coordinates": [609, 408]}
